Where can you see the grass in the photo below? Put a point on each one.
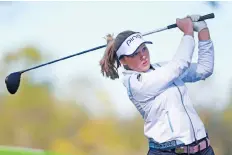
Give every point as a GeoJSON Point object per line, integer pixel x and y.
{"type": "Point", "coordinates": [6, 150]}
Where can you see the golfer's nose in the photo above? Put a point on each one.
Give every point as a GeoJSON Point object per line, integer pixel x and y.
{"type": "Point", "coordinates": [142, 55]}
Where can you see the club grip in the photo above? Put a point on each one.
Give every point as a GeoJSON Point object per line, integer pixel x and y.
{"type": "Point", "coordinates": [208, 16]}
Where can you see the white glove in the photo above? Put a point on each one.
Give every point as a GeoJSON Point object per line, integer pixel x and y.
{"type": "Point", "coordinates": [197, 25]}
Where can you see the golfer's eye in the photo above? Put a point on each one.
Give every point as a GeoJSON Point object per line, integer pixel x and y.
{"type": "Point", "coordinates": [136, 53]}
{"type": "Point", "coordinates": [144, 49]}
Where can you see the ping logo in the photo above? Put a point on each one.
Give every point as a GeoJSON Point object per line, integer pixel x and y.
{"type": "Point", "coordinates": [133, 38]}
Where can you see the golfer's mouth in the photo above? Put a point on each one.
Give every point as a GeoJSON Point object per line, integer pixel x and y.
{"type": "Point", "coordinates": [145, 62]}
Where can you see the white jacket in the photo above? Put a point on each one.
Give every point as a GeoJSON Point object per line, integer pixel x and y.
{"type": "Point", "coordinates": [162, 98]}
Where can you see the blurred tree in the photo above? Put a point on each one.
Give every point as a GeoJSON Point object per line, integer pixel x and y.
{"type": "Point", "coordinates": [34, 117]}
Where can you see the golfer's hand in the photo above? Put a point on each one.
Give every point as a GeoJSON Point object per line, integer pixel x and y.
{"type": "Point", "coordinates": [197, 25]}
{"type": "Point", "coordinates": [185, 25]}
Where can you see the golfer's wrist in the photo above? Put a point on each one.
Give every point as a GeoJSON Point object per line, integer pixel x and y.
{"type": "Point", "coordinates": [189, 33]}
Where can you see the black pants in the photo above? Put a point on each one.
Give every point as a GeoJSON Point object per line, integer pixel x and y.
{"type": "Point", "coordinates": [207, 151]}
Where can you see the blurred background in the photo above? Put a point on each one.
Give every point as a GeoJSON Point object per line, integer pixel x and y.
{"type": "Point", "coordinates": [69, 107]}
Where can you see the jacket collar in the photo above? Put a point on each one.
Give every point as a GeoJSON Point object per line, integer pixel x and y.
{"type": "Point", "coordinates": [127, 70]}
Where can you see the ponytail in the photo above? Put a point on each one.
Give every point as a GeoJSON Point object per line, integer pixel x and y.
{"type": "Point", "coordinates": [107, 63]}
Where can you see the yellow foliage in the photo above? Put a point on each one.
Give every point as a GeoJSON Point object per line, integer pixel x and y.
{"type": "Point", "coordinates": [65, 147]}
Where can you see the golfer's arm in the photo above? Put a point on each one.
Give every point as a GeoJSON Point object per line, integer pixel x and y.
{"type": "Point", "coordinates": [205, 65]}
{"type": "Point", "coordinates": [152, 83]}
{"type": "Point", "coordinates": [204, 35]}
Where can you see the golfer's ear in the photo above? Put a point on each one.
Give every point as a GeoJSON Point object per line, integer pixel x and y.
{"type": "Point", "coordinates": [123, 61]}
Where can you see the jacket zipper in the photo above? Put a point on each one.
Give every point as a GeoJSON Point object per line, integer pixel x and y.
{"type": "Point", "coordinates": [187, 113]}
{"type": "Point", "coordinates": [185, 110]}
{"type": "Point", "coordinates": [169, 121]}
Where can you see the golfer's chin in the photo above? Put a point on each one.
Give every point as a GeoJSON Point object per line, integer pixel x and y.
{"type": "Point", "coordinates": [145, 68]}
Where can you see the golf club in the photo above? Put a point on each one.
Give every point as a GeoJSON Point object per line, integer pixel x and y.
{"type": "Point", "coordinates": [12, 81]}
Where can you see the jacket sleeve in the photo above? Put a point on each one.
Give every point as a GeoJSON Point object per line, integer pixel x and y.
{"type": "Point", "coordinates": [143, 86]}
{"type": "Point", "coordinates": [205, 65]}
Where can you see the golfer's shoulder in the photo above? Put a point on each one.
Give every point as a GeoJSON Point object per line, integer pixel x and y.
{"type": "Point", "coordinates": [132, 81]}
{"type": "Point", "coordinates": [159, 64]}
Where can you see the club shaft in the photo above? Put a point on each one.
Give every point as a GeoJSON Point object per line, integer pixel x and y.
{"type": "Point", "coordinates": [154, 31]}
{"type": "Point", "coordinates": [208, 16]}
{"type": "Point", "coordinates": [92, 49]}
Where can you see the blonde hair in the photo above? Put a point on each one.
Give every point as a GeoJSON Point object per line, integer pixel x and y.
{"type": "Point", "coordinates": [110, 62]}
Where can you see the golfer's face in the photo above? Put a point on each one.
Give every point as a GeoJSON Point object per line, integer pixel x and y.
{"type": "Point", "coordinates": [140, 60]}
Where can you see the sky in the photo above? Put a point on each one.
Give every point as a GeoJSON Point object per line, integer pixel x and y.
{"type": "Point", "coordinates": [60, 29]}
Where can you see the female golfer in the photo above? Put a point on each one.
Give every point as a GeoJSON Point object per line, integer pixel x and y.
{"type": "Point", "coordinates": [158, 90]}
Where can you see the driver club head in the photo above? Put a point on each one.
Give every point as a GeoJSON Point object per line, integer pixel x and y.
{"type": "Point", "coordinates": [12, 82]}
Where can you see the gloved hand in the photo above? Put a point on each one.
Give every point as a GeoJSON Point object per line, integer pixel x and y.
{"type": "Point", "coordinates": [197, 25]}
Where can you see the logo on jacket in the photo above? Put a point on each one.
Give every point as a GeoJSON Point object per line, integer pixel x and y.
{"type": "Point", "coordinates": [139, 77]}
